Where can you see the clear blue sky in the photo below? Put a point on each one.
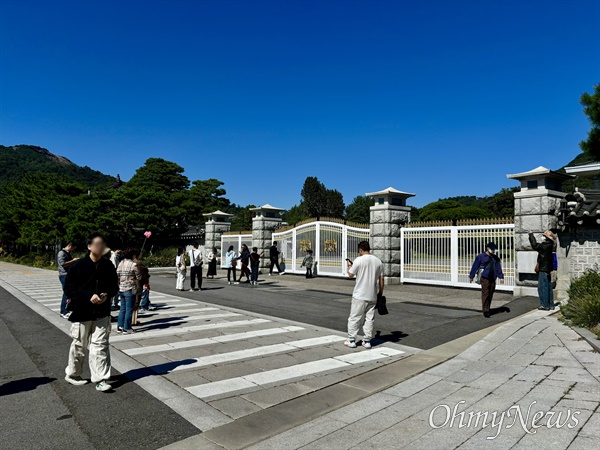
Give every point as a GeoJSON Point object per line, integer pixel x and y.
{"type": "Point", "coordinates": [439, 98]}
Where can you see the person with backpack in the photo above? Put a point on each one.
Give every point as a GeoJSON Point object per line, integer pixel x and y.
{"type": "Point", "coordinates": [254, 264]}
{"type": "Point", "coordinates": [486, 269]}
{"type": "Point", "coordinates": [308, 263]}
{"type": "Point", "coordinates": [544, 267]}
{"type": "Point", "coordinates": [231, 263]}
{"type": "Point", "coordinates": [245, 260]}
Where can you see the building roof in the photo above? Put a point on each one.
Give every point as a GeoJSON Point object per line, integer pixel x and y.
{"type": "Point", "coordinates": [391, 192]}
{"type": "Point", "coordinates": [537, 172]}
{"type": "Point", "coordinates": [218, 213]}
{"type": "Point", "coordinates": [584, 169]}
{"type": "Point", "coordinates": [267, 207]}
{"type": "Point", "coordinates": [582, 205]}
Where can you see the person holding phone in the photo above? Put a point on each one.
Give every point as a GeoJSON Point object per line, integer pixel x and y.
{"type": "Point", "coordinates": [368, 271]}
{"type": "Point", "coordinates": [90, 283]}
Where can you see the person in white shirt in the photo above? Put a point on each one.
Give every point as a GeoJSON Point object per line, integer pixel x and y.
{"type": "Point", "coordinates": [368, 270]}
{"type": "Point", "coordinates": [180, 264]}
{"type": "Point", "coordinates": [196, 267]}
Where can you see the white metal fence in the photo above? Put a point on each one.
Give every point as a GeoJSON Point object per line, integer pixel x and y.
{"type": "Point", "coordinates": [330, 242]}
{"type": "Point", "coordinates": [444, 255]}
{"type": "Point", "coordinates": [236, 240]}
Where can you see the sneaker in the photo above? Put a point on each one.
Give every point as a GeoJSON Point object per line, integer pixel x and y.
{"type": "Point", "coordinates": [129, 331]}
{"type": "Point", "coordinates": [75, 381]}
{"type": "Point", "coordinates": [151, 308]}
{"type": "Point", "coordinates": [270, 274]}
{"type": "Point", "coordinates": [282, 273]}
{"type": "Point", "coordinates": [229, 283]}
{"type": "Point", "coordinates": [367, 345]}
{"type": "Point", "coordinates": [103, 386]}
{"type": "Point", "coordinates": [543, 308]}
{"type": "Point", "coordinates": [120, 330]}
{"type": "Point", "coordinates": [236, 282]}
{"type": "Point", "coordinates": [350, 343]}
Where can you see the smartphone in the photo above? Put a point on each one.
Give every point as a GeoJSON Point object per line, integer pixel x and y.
{"type": "Point", "coordinates": [350, 261]}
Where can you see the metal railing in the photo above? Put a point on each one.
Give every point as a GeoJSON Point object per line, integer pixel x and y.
{"type": "Point", "coordinates": [443, 255]}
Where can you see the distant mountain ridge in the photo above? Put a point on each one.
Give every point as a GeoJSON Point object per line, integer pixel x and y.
{"type": "Point", "coordinates": [18, 161]}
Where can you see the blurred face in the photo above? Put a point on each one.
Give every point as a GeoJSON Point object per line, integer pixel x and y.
{"type": "Point", "coordinates": [97, 246]}
{"type": "Point", "coordinates": [71, 247]}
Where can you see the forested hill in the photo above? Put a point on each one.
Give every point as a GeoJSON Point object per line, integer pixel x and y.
{"type": "Point", "coordinates": [20, 160]}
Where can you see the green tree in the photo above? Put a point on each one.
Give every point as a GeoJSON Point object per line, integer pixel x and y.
{"type": "Point", "coordinates": [205, 196]}
{"type": "Point", "coordinates": [295, 214]}
{"type": "Point", "coordinates": [450, 210]}
{"type": "Point", "coordinates": [501, 204]}
{"type": "Point", "coordinates": [314, 197]}
{"type": "Point", "coordinates": [242, 220]}
{"type": "Point", "coordinates": [334, 204]}
{"type": "Point", "coordinates": [591, 108]}
{"type": "Point", "coordinates": [359, 210]}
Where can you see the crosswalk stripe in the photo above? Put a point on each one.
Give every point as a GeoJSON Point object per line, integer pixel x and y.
{"type": "Point", "coordinates": [258, 351]}
{"type": "Point", "coordinates": [209, 341]}
{"type": "Point", "coordinates": [178, 311]}
{"type": "Point", "coordinates": [183, 330]}
{"type": "Point", "coordinates": [247, 383]}
{"type": "Point", "coordinates": [204, 317]}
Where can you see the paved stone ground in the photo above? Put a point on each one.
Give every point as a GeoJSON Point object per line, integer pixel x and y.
{"type": "Point", "coordinates": [214, 364]}
{"type": "Point", "coordinates": [533, 362]}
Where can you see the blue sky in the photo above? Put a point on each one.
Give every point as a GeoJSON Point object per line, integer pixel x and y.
{"type": "Point", "coordinates": [438, 98]}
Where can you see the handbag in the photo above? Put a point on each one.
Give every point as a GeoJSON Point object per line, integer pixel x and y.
{"type": "Point", "coordinates": [381, 305]}
{"type": "Point", "coordinates": [480, 272]}
{"type": "Point", "coordinates": [537, 268]}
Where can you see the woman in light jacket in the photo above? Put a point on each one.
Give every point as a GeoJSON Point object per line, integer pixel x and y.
{"type": "Point", "coordinates": [180, 264]}
{"type": "Point", "coordinates": [231, 263]}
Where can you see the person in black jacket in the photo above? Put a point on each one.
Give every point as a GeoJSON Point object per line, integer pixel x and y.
{"type": "Point", "coordinates": [274, 257]}
{"type": "Point", "coordinates": [91, 283]}
{"type": "Point", "coordinates": [545, 266]}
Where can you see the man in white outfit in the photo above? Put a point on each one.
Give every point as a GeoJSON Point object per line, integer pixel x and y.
{"type": "Point", "coordinates": [368, 270]}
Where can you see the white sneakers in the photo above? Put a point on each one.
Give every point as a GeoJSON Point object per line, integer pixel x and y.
{"type": "Point", "coordinates": [66, 316]}
{"type": "Point", "coordinates": [282, 273]}
{"type": "Point", "coordinates": [351, 343]}
{"type": "Point", "coordinates": [103, 386]}
{"type": "Point", "coordinates": [75, 381]}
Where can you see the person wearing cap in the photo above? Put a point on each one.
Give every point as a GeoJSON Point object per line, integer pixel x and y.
{"type": "Point", "coordinates": [545, 266]}
{"type": "Point", "coordinates": [491, 267]}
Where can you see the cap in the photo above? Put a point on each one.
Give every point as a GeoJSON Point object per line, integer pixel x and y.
{"type": "Point", "coordinates": [491, 246]}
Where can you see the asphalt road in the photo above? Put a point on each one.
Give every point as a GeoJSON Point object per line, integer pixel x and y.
{"type": "Point", "coordinates": [418, 325]}
{"type": "Point", "coordinates": [41, 411]}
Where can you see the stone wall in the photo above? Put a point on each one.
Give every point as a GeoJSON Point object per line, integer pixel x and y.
{"type": "Point", "coordinates": [214, 231]}
{"type": "Point", "coordinates": [262, 235]}
{"type": "Point", "coordinates": [385, 241]}
{"type": "Point", "coordinates": [578, 252]}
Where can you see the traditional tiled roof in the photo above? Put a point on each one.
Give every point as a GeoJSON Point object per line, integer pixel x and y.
{"type": "Point", "coordinates": [582, 206]}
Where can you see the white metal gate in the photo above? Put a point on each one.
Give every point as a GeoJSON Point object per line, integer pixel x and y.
{"type": "Point", "coordinates": [331, 243]}
{"type": "Point", "coordinates": [236, 240]}
{"type": "Point", "coordinates": [443, 255]}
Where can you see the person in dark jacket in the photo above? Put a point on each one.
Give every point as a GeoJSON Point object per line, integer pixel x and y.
{"type": "Point", "coordinates": [545, 265]}
{"type": "Point", "coordinates": [274, 257]}
{"type": "Point", "coordinates": [245, 260]}
{"type": "Point", "coordinates": [491, 267]}
{"type": "Point", "coordinates": [90, 284]}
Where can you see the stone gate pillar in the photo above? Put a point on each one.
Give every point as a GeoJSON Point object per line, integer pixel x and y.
{"type": "Point", "coordinates": [217, 223]}
{"type": "Point", "coordinates": [266, 220]}
{"type": "Point", "coordinates": [387, 217]}
{"type": "Point", "coordinates": [536, 205]}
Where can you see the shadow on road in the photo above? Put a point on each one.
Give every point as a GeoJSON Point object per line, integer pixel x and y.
{"type": "Point", "coordinates": [26, 384]}
{"type": "Point", "coordinates": [394, 336]}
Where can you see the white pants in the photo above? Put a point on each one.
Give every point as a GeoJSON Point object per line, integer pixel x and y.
{"type": "Point", "coordinates": [361, 309]}
{"type": "Point", "coordinates": [180, 279]}
{"type": "Point", "coordinates": [93, 335]}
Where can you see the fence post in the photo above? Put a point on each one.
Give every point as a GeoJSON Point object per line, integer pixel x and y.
{"type": "Point", "coordinates": [454, 256]}
{"type": "Point", "coordinates": [387, 217]}
{"type": "Point", "coordinates": [266, 220]}
{"type": "Point", "coordinates": [217, 223]}
{"type": "Point", "coordinates": [535, 207]}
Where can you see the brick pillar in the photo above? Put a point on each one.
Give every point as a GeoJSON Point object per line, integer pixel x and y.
{"type": "Point", "coordinates": [387, 217]}
{"type": "Point", "coordinates": [217, 223]}
{"type": "Point", "coordinates": [266, 220]}
{"type": "Point", "coordinates": [536, 205]}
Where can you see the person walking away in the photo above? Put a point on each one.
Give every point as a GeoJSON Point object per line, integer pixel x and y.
{"type": "Point", "coordinates": [196, 263]}
{"type": "Point", "coordinates": [129, 278]}
{"type": "Point", "coordinates": [490, 268]}
{"type": "Point", "coordinates": [64, 260]}
{"type": "Point", "coordinates": [231, 263]}
{"type": "Point", "coordinates": [274, 257]}
{"type": "Point", "coordinates": [212, 263]}
{"type": "Point", "coordinates": [368, 271]}
{"type": "Point", "coordinates": [180, 264]}
{"type": "Point", "coordinates": [544, 267]}
{"type": "Point", "coordinates": [90, 284]}
{"type": "Point", "coordinates": [245, 260]}
{"type": "Point", "coordinates": [308, 263]}
{"type": "Point", "coordinates": [115, 258]}
{"type": "Point", "coordinates": [144, 280]}
{"type": "Point", "coordinates": [254, 264]}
